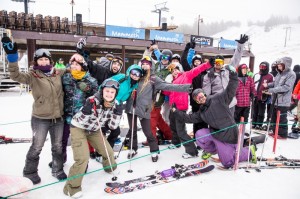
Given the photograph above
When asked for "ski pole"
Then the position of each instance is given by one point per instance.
(250, 134)
(276, 131)
(132, 127)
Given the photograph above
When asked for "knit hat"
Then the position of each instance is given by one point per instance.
(147, 60)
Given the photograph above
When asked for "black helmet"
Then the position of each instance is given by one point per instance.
(176, 56)
(109, 83)
(166, 52)
(196, 57)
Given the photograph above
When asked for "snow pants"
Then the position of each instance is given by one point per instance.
(225, 151)
(158, 122)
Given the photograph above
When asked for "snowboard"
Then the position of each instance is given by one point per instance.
(14, 186)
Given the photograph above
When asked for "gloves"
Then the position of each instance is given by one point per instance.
(83, 86)
(88, 106)
(193, 44)
(118, 109)
(81, 43)
(190, 90)
(231, 68)
(174, 108)
(153, 42)
(242, 39)
(10, 48)
(212, 61)
(188, 46)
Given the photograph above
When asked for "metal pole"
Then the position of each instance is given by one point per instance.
(159, 17)
(198, 24)
(105, 19)
(26, 6)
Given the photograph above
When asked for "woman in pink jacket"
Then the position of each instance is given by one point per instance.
(181, 101)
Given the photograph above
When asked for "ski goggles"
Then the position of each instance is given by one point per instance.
(41, 53)
(118, 59)
(263, 66)
(135, 72)
(165, 57)
(110, 83)
(219, 61)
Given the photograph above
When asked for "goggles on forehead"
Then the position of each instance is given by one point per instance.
(263, 66)
(136, 72)
(244, 66)
(219, 61)
(165, 57)
(118, 59)
(110, 83)
(42, 53)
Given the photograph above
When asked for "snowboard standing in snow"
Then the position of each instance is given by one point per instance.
(158, 181)
(5, 140)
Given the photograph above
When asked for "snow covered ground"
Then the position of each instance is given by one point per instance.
(15, 114)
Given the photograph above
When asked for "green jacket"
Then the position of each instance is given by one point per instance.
(47, 91)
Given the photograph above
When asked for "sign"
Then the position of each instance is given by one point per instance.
(125, 32)
(224, 43)
(202, 41)
(166, 36)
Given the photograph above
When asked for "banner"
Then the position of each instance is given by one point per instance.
(224, 43)
(202, 40)
(125, 32)
(166, 36)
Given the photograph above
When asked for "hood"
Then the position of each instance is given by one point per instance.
(134, 66)
(287, 61)
(296, 68)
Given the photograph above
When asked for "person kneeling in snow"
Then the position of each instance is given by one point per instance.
(85, 126)
(222, 136)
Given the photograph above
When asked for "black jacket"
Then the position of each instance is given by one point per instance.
(216, 113)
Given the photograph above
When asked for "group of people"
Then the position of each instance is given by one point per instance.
(87, 99)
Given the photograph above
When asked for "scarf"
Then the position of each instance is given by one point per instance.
(78, 74)
(45, 69)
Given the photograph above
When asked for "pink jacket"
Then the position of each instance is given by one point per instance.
(182, 99)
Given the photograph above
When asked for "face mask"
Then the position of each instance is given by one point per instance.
(78, 74)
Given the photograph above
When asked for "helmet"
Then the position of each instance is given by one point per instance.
(42, 52)
(110, 83)
(176, 56)
(166, 53)
(196, 57)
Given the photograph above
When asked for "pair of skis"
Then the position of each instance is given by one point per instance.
(6, 140)
(166, 176)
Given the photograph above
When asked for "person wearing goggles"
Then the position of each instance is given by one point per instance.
(281, 89)
(78, 85)
(100, 109)
(244, 92)
(181, 101)
(217, 78)
(260, 101)
(218, 139)
(47, 108)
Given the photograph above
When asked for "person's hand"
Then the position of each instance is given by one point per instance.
(87, 108)
(188, 46)
(118, 109)
(266, 92)
(174, 108)
(83, 86)
(153, 42)
(212, 61)
(81, 43)
(265, 84)
(244, 38)
(294, 96)
(231, 68)
(10, 48)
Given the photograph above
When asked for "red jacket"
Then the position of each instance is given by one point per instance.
(244, 91)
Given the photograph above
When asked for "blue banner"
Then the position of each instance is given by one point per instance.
(166, 36)
(125, 32)
(224, 43)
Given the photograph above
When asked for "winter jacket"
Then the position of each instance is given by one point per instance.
(217, 82)
(126, 86)
(75, 94)
(283, 84)
(245, 91)
(47, 91)
(216, 113)
(182, 99)
(259, 79)
(146, 93)
(296, 69)
(296, 90)
(98, 118)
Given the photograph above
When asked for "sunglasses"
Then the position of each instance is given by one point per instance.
(219, 61)
(42, 53)
(136, 73)
(110, 83)
(165, 57)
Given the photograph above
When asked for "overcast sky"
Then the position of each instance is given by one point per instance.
(132, 12)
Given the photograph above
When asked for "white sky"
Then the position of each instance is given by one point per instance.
(132, 12)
